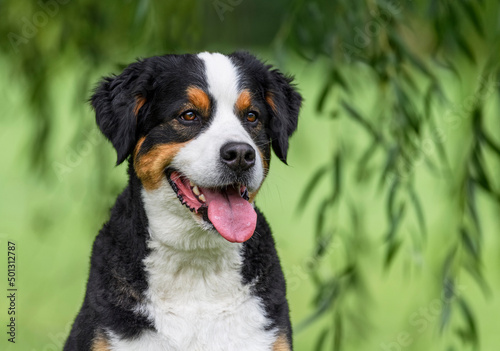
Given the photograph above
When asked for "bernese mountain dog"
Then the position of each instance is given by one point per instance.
(186, 260)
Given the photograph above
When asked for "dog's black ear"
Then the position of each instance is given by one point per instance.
(117, 101)
(284, 102)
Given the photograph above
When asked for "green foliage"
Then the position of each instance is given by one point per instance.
(380, 37)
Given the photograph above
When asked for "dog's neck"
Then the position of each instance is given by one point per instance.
(192, 264)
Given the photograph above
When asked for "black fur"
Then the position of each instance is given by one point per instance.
(114, 102)
(117, 280)
(285, 116)
(116, 273)
(261, 261)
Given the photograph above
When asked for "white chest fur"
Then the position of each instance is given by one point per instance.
(197, 302)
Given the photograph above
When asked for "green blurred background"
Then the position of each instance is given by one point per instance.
(387, 218)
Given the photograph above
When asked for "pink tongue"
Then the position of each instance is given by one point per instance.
(232, 216)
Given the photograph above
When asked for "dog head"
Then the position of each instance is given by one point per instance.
(199, 129)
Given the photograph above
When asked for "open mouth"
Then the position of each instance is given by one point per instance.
(226, 208)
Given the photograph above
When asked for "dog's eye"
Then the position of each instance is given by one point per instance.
(252, 117)
(188, 116)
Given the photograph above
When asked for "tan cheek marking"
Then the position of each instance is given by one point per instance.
(100, 344)
(244, 101)
(138, 146)
(150, 166)
(199, 99)
(265, 165)
(139, 102)
(281, 344)
(270, 101)
(251, 196)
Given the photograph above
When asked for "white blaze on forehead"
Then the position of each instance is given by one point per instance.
(222, 77)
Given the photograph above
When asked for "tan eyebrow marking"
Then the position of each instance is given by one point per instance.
(139, 102)
(270, 101)
(244, 101)
(198, 98)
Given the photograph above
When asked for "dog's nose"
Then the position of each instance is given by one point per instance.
(238, 156)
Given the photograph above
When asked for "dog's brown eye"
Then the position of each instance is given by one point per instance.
(188, 116)
(252, 117)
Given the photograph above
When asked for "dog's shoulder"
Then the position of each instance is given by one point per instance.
(262, 269)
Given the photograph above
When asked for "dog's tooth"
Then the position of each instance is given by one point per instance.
(196, 191)
(191, 184)
(202, 198)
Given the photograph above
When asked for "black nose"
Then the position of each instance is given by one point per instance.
(238, 156)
